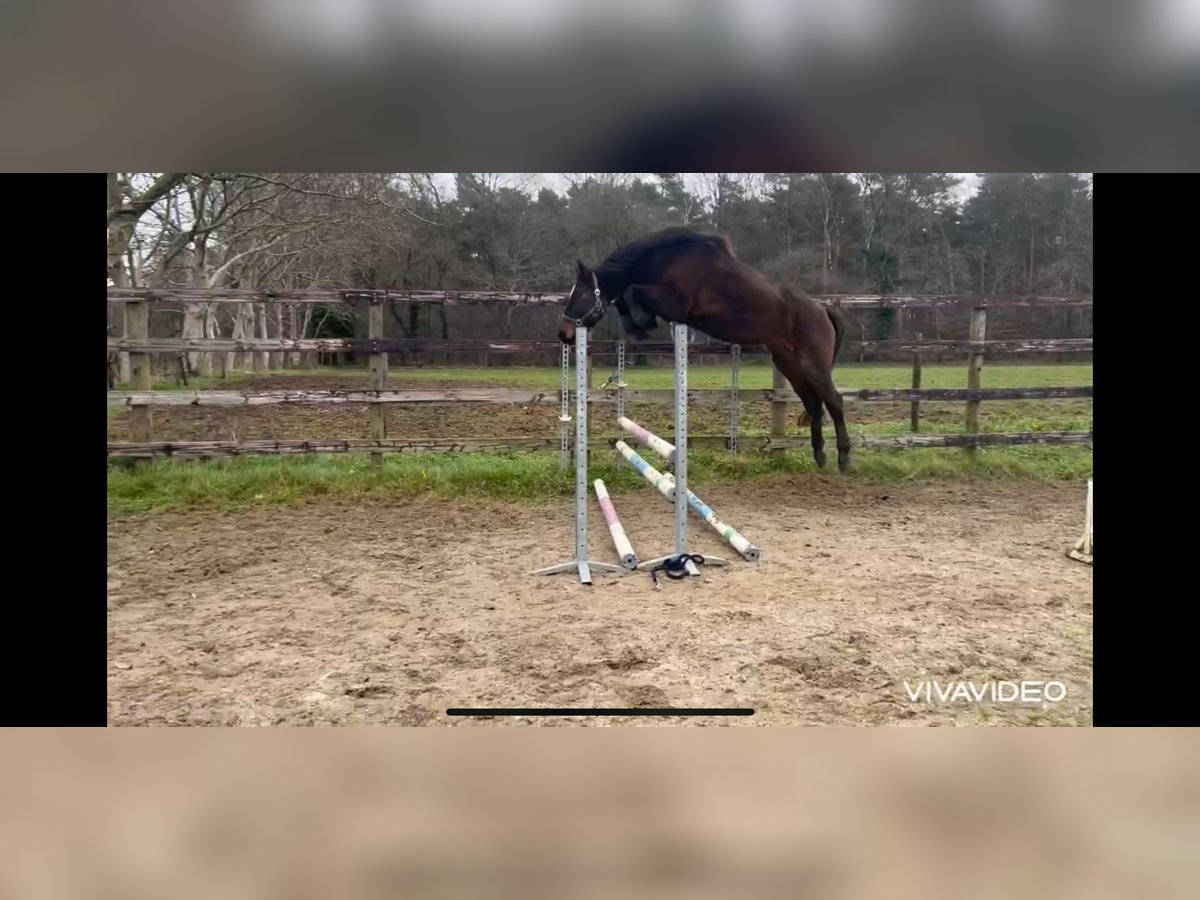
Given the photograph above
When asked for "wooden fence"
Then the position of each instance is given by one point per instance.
(358, 295)
(141, 399)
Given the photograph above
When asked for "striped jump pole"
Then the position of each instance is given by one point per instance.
(651, 440)
(739, 543)
(1082, 550)
(664, 483)
(624, 549)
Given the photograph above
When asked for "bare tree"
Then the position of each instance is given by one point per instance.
(126, 206)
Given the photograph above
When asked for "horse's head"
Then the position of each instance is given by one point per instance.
(586, 304)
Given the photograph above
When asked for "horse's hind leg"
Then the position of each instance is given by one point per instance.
(812, 409)
(805, 389)
(832, 398)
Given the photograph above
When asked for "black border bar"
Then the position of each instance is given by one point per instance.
(600, 711)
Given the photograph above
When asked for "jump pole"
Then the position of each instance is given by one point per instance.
(581, 563)
(651, 440)
(620, 539)
(1082, 550)
(666, 486)
(679, 459)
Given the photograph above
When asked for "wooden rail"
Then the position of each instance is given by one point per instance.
(141, 400)
(238, 399)
(357, 295)
(398, 345)
(208, 449)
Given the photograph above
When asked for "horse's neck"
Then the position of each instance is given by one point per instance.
(612, 284)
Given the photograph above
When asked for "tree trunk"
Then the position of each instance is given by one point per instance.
(1029, 276)
(825, 254)
(949, 260)
(262, 359)
(277, 356)
(232, 363)
(120, 234)
(293, 358)
(195, 318)
(309, 358)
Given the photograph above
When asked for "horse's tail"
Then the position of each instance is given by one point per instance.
(839, 329)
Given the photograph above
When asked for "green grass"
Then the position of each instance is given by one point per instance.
(252, 481)
(752, 376)
(524, 477)
(853, 376)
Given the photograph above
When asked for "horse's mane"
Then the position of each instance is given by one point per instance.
(792, 297)
(633, 255)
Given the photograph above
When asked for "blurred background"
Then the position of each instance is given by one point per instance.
(626, 813)
(699, 86)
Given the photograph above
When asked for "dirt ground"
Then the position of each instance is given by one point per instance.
(389, 612)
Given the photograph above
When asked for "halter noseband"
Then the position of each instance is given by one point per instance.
(597, 309)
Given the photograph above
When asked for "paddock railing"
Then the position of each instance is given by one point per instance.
(141, 400)
(360, 295)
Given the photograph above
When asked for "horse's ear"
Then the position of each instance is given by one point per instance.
(582, 269)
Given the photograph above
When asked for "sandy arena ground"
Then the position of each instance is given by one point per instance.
(389, 612)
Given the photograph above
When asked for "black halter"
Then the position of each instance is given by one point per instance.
(597, 309)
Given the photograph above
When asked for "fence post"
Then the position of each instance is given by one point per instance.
(124, 363)
(916, 383)
(379, 363)
(779, 408)
(975, 367)
(137, 322)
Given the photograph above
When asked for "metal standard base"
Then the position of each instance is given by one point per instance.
(584, 569)
(680, 460)
(580, 563)
(689, 566)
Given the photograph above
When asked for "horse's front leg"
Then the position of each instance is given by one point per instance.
(651, 302)
(630, 325)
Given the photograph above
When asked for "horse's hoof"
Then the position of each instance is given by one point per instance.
(820, 460)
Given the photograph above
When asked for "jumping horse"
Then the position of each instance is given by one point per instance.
(685, 276)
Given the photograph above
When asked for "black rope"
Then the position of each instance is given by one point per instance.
(675, 567)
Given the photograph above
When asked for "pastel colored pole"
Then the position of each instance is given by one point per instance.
(739, 543)
(664, 483)
(666, 487)
(653, 441)
(620, 540)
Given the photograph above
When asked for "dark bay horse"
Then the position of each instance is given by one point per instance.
(685, 276)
